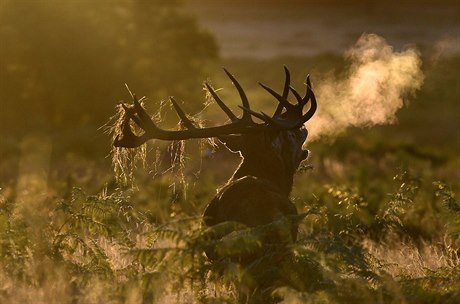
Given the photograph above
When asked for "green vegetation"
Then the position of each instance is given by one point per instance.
(93, 249)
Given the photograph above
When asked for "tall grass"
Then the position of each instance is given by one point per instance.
(101, 248)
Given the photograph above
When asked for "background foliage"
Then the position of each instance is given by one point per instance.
(64, 63)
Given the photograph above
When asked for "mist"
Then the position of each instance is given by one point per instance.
(370, 92)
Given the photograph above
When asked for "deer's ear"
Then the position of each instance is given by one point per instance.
(233, 142)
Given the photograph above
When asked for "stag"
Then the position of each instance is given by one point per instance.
(271, 150)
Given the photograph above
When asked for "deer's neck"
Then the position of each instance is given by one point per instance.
(277, 174)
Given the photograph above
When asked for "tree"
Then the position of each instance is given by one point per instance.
(63, 63)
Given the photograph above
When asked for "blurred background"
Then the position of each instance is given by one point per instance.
(63, 66)
(380, 181)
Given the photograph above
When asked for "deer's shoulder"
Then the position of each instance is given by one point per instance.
(249, 200)
(250, 185)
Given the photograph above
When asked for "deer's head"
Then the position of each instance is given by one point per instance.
(273, 146)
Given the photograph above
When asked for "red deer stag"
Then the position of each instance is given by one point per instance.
(258, 192)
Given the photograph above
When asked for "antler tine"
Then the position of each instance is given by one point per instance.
(140, 117)
(185, 120)
(269, 120)
(282, 100)
(130, 113)
(244, 99)
(307, 89)
(275, 122)
(146, 122)
(287, 81)
(128, 138)
(261, 115)
(297, 96)
(312, 98)
(221, 104)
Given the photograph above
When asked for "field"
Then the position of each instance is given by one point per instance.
(378, 199)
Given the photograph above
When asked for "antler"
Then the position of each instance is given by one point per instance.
(291, 118)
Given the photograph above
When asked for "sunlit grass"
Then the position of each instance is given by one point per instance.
(101, 248)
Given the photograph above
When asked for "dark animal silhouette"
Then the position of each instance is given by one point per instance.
(258, 192)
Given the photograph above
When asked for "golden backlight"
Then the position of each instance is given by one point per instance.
(368, 214)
